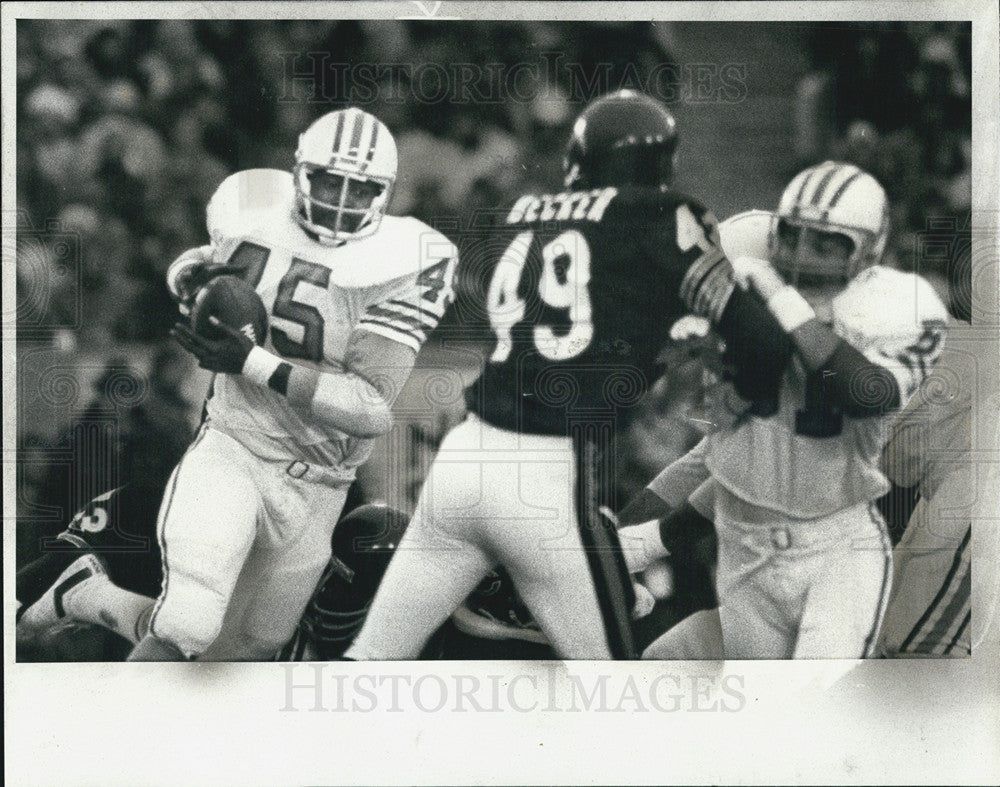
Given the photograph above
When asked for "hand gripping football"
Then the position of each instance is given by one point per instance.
(233, 302)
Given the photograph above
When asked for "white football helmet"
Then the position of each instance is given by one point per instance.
(358, 147)
(834, 197)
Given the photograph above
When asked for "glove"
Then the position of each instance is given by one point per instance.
(690, 327)
(227, 354)
(759, 274)
(191, 271)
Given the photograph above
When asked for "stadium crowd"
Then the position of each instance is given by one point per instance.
(126, 128)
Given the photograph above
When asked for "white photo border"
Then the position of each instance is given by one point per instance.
(771, 722)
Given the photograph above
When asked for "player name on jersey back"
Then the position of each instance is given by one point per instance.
(565, 206)
(578, 291)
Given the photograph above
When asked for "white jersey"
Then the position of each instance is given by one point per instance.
(929, 611)
(396, 282)
(808, 459)
(933, 436)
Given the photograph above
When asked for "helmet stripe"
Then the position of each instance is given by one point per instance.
(815, 175)
(359, 126)
(806, 176)
(371, 145)
(823, 183)
(338, 133)
(843, 188)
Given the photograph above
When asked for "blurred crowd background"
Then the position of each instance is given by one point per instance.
(124, 130)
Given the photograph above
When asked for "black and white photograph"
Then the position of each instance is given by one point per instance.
(529, 392)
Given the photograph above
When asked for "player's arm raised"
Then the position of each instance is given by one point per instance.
(755, 343)
(762, 314)
(874, 373)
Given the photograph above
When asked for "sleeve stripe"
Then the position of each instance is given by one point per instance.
(377, 312)
(400, 324)
(398, 316)
(392, 333)
(404, 311)
(433, 314)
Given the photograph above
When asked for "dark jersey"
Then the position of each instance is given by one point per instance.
(577, 292)
(120, 527)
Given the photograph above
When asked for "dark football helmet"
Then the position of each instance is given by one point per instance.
(623, 138)
(363, 544)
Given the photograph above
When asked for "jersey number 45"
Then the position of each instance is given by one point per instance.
(250, 259)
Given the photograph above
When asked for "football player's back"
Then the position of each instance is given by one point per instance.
(577, 290)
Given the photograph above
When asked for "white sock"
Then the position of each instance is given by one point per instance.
(100, 601)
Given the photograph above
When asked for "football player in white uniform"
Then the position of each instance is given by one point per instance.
(105, 570)
(804, 564)
(929, 457)
(351, 295)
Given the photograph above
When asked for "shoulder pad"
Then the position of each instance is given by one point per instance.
(248, 198)
(882, 304)
(402, 246)
(746, 234)
(661, 214)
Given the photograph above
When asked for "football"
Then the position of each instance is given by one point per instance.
(233, 302)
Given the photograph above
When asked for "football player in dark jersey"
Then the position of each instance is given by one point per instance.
(105, 570)
(572, 295)
(363, 543)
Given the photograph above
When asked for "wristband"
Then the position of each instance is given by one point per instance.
(260, 366)
(344, 400)
(790, 309)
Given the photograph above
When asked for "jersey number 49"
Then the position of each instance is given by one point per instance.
(567, 254)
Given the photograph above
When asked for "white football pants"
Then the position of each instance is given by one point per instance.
(495, 497)
(807, 589)
(244, 542)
